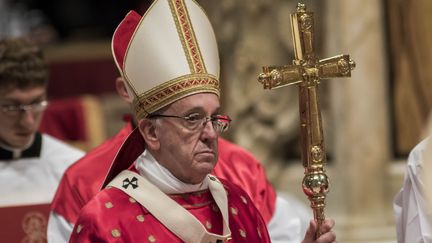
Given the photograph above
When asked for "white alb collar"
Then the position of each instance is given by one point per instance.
(148, 167)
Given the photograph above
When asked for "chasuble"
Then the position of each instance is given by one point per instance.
(114, 216)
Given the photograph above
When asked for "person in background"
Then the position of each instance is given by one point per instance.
(413, 210)
(31, 164)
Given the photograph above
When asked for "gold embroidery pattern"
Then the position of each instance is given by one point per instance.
(131, 200)
(187, 36)
(242, 233)
(234, 211)
(170, 91)
(140, 218)
(115, 233)
(79, 228)
(244, 200)
(151, 238)
(208, 225)
(109, 205)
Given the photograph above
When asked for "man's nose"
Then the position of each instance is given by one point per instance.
(27, 117)
(209, 130)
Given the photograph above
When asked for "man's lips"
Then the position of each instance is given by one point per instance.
(205, 155)
(23, 134)
(206, 152)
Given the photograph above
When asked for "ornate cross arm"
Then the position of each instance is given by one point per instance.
(307, 71)
(280, 76)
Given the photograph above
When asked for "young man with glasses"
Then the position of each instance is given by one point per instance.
(159, 187)
(31, 164)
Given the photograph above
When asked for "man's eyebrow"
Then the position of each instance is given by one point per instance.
(199, 109)
(16, 101)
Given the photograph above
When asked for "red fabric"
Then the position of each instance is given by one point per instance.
(131, 148)
(123, 35)
(64, 119)
(97, 222)
(83, 180)
(237, 165)
(26, 223)
(85, 76)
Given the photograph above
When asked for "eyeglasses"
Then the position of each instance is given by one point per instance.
(193, 121)
(17, 109)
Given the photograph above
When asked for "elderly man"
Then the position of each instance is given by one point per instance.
(31, 164)
(286, 218)
(169, 60)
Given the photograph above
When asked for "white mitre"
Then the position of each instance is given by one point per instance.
(168, 53)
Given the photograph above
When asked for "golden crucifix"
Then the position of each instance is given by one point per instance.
(307, 71)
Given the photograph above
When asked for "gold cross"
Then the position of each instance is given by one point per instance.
(307, 71)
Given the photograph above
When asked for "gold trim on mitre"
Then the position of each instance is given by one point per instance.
(173, 90)
(187, 36)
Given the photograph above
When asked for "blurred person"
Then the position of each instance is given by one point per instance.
(31, 164)
(412, 205)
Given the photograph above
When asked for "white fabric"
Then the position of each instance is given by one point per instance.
(59, 229)
(290, 220)
(205, 38)
(148, 167)
(154, 57)
(34, 180)
(413, 219)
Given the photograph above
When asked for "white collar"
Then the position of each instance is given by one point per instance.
(149, 168)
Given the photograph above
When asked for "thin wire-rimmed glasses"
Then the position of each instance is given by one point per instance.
(14, 110)
(196, 121)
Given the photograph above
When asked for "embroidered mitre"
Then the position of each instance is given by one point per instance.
(167, 54)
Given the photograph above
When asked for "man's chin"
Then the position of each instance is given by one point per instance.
(21, 142)
(205, 158)
(206, 167)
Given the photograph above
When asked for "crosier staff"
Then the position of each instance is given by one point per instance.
(307, 71)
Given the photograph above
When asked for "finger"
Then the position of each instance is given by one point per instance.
(330, 222)
(327, 237)
(327, 225)
(310, 232)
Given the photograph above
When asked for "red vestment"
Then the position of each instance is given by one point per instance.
(113, 216)
(84, 178)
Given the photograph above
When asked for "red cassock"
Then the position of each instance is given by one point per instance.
(114, 216)
(84, 178)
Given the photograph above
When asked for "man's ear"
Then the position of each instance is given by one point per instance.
(148, 131)
(122, 90)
